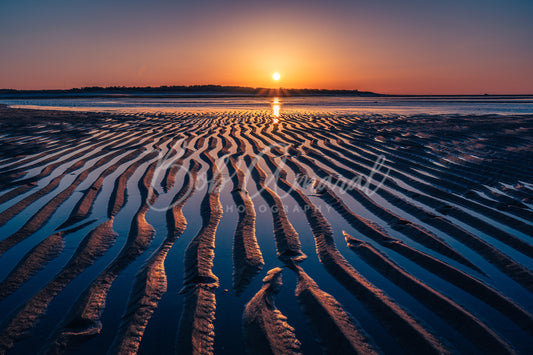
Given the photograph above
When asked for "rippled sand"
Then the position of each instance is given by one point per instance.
(154, 232)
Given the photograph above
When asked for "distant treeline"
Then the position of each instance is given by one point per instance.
(191, 89)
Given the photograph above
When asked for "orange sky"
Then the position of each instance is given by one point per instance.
(411, 47)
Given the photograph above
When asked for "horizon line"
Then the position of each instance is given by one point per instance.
(236, 87)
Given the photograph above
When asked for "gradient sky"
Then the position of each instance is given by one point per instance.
(402, 47)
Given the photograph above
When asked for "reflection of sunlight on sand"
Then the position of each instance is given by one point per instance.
(275, 110)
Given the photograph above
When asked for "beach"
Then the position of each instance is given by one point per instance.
(222, 228)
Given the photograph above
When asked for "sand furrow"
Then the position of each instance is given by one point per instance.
(432, 192)
(175, 219)
(287, 241)
(257, 147)
(337, 331)
(13, 193)
(266, 330)
(6, 215)
(445, 271)
(118, 196)
(195, 334)
(9, 213)
(170, 174)
(226, 143)
(200, 251)
(35, 260)
(14, 174)
(461, 183)
(100, 147)
(507, 265)
(84, 205)
(184, 152)
(23, 319)
(241, 146)
(42, 216)
(406, 330)
(151, 281)
(247, 257)
(466, 323)
(407, 228)
(514, 242)
(83, 319)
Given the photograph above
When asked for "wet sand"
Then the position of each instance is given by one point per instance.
(160, 231)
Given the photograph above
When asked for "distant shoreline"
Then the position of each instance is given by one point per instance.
(211, 91)
(180, 91)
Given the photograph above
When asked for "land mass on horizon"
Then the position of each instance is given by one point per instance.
(182, 90)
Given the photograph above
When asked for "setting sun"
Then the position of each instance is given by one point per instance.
(276, 76)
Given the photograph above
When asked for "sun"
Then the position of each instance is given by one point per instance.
(276, 76)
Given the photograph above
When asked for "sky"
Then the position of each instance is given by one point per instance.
(385, 46)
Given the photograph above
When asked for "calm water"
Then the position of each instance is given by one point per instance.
(383, 105)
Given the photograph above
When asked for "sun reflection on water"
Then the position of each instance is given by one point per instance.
(275, 110)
